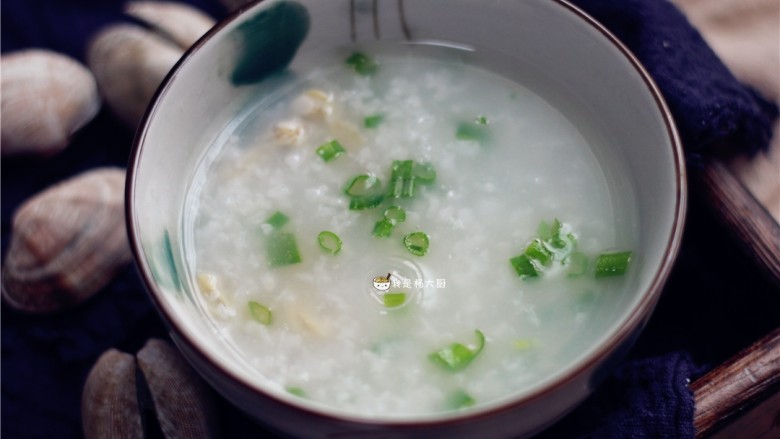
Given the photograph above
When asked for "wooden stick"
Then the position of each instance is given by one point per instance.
(744, 392)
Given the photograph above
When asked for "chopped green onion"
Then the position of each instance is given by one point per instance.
(395, 214)
(394, 300)
(365, 192)
(456, 356)
(524, 267)
(362, 64)
(417, 243)
(383, 228)
(481, 120)
(297, 391)
(281, 249)
(522, 344)
(402, 179)
(424, 173)
(538, 252)
(373, 121)
(612, 264)
(364, 184)
(470, 131)
(460, 400)
(277, 220)
(577, 262)
(365, 202)
(330, 150)
(329, 242)
(260, 313)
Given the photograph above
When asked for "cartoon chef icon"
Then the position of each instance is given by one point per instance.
(382, 283)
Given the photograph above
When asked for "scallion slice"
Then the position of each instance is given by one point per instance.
(524, 267)
(260, 313)
(481, 120)
(612, 264)
(282, 249)
(330, 150)
(365, 191)
(329, 241)
(297, 391)
(460, 400)
(577, 263)
(383, 228)
(394, 300)
(373, 121)
(277, 220)
(456, 356)
(417, 243)
(470, 131)
(424, 173)
(395, 214)
(538, 252)
(402, 179)
(362, 64)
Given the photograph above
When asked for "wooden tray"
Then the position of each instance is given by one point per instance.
(741, 397)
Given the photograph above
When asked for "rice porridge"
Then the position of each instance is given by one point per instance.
(400, 234)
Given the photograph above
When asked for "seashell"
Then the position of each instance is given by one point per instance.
(289, 132)
(178, 22)
(67, 242)
(45, 97)
(129, 64)
(109, 402)
(182, 402)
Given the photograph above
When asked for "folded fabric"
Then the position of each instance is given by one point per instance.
(713, 111)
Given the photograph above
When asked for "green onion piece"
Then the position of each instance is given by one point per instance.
(373, 121)
(362, 64)
(424, 173)
(365, 192)
(470, 131)
(281, 249)
(523, 344)
(456, 356)
(277, 220)
(544, 231)
(394, 300)
(365, 202)
(260, 313)
(331, 150)
(460, 400)
(612, 264)
(524, 267)
(402, 179)
(363, 184)
(383, 228)
(538, 252)
(481, 120)
(395, 214)
(417, 243)
(297, 391)
(577, 262)
(329, 241)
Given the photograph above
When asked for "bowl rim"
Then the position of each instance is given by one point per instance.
(635, 320)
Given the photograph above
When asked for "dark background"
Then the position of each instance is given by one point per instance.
(714, 304)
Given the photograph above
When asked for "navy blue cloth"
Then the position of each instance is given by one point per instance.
(711, 307)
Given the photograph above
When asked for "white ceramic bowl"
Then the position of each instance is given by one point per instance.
(583, 69)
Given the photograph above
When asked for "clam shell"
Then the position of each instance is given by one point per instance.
(129, 63)
(45, 98)
(178, 22)
(67, 242)
(182, 401)
(109, 402)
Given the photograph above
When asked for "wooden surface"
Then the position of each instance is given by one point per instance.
(748, 219)
(741, 398)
